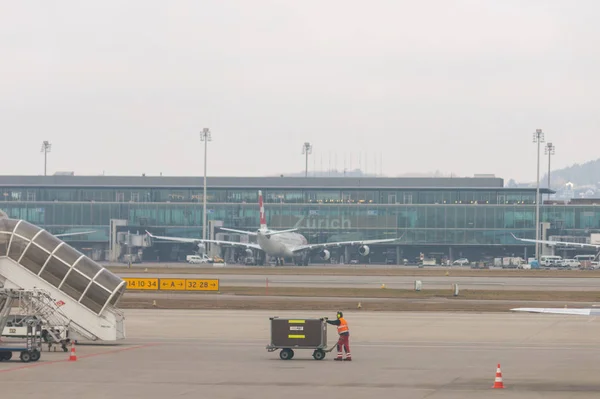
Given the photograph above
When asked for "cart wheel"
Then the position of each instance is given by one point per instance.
(319, 354)
(286, 354)
(35, 356)
(25, 357)
(5, 356)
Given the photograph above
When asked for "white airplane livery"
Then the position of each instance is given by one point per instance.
(74, 234)
(565, 311)
(281, 244)
(558, 243)
(5, 215)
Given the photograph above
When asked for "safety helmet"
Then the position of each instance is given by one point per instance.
(340, 314)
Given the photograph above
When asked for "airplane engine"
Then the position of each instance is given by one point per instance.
(364, 250)
(324, 254)
(248, 252)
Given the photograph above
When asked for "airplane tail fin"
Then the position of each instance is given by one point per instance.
(263, 219)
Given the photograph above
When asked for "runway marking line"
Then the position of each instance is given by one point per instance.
(32, 365)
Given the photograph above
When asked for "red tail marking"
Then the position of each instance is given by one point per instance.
(263, 219)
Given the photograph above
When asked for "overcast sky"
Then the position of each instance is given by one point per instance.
(125, 87)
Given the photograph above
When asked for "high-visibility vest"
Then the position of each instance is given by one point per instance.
(343, 327)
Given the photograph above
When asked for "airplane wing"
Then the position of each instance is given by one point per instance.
(274, 232)
(74, 234)
(554, 243)
(342, 243)
(251, 233)
(576, 312)
(199, 240)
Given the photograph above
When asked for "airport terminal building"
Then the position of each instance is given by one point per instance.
(445, 217)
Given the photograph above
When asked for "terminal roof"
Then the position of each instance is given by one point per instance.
(253, 182)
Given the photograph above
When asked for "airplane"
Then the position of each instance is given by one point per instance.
(555, 243)
(280, 244)
(73, 234)
(565, 311)
(5, 215)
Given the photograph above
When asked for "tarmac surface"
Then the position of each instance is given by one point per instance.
(398, 282)
(221, 354)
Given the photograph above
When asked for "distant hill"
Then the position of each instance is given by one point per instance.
(581, 175)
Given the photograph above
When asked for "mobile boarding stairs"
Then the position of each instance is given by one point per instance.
(74, 297)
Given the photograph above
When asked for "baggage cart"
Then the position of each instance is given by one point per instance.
(291, 334)
(30, 351)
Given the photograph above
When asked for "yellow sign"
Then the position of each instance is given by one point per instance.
(202, 285)
(142, 283)
(172, 284)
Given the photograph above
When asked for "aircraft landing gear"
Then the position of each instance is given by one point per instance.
(301, 261)
(278, 260)
(260, 260)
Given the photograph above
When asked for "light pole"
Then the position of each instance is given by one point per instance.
(206, 137)
(538, 137)
(46, 147)
(306, 149)
(549, 149)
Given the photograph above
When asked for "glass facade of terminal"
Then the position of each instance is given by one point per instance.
(450, 223)
(288, 196)
(475, 217)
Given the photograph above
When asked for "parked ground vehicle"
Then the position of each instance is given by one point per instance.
(587, 261)
(573, 263)
(509, 262)
(550, 260)
(198, 259)
(461, 262)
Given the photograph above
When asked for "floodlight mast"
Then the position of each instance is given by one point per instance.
(549, 150)
(306, 149)
(538, 137)
(205, 136)
(46, 147)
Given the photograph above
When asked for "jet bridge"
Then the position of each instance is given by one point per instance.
(86, 293)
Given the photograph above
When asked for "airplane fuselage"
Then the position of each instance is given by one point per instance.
(280, 245)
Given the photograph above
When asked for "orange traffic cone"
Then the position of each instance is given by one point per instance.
(73, 356)
(498, 384)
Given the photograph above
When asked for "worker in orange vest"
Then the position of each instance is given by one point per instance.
(344, 333)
